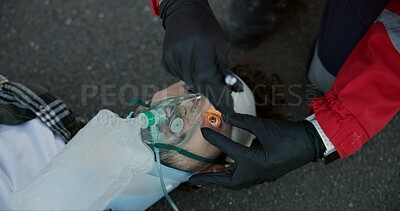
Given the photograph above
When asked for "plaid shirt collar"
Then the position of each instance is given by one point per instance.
(19, 103)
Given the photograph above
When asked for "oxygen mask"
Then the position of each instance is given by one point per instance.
(172, 121)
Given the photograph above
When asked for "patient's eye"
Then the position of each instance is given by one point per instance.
(188, 89)
(213, 120)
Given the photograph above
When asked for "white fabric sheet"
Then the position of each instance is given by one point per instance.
(24, 150)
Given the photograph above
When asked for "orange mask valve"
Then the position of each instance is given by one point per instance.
(213, 118)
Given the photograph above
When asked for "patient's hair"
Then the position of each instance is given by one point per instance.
(181, 162)
(268, 105)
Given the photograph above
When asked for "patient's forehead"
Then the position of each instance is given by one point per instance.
(177, 89)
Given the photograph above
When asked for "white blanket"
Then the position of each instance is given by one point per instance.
(24, 150)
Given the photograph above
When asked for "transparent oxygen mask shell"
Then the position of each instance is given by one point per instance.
(173, 121)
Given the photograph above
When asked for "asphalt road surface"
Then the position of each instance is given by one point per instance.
(97, 54)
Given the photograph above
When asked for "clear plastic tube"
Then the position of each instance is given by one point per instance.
(154, 133)
(130, 115)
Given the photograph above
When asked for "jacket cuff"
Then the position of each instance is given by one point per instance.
(339, 124)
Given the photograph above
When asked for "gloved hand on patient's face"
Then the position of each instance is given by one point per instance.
(284, 146)
(196, 50)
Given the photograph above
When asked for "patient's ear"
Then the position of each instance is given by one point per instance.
(217, 168)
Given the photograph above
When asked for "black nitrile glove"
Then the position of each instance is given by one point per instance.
(284, 146)
(196, 49)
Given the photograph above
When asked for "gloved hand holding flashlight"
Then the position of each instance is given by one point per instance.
(196, 50)
(284, 146)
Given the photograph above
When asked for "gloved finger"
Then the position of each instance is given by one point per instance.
(226, 145)
(243, 121)
(238, 86)
(222, 179)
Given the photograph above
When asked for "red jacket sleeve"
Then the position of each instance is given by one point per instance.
(366, 92)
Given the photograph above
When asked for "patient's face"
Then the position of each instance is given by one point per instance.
(197, 144)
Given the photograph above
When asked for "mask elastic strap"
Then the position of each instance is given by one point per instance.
(189, 154)
(138, 101)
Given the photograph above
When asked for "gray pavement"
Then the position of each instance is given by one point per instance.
(97, 54)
